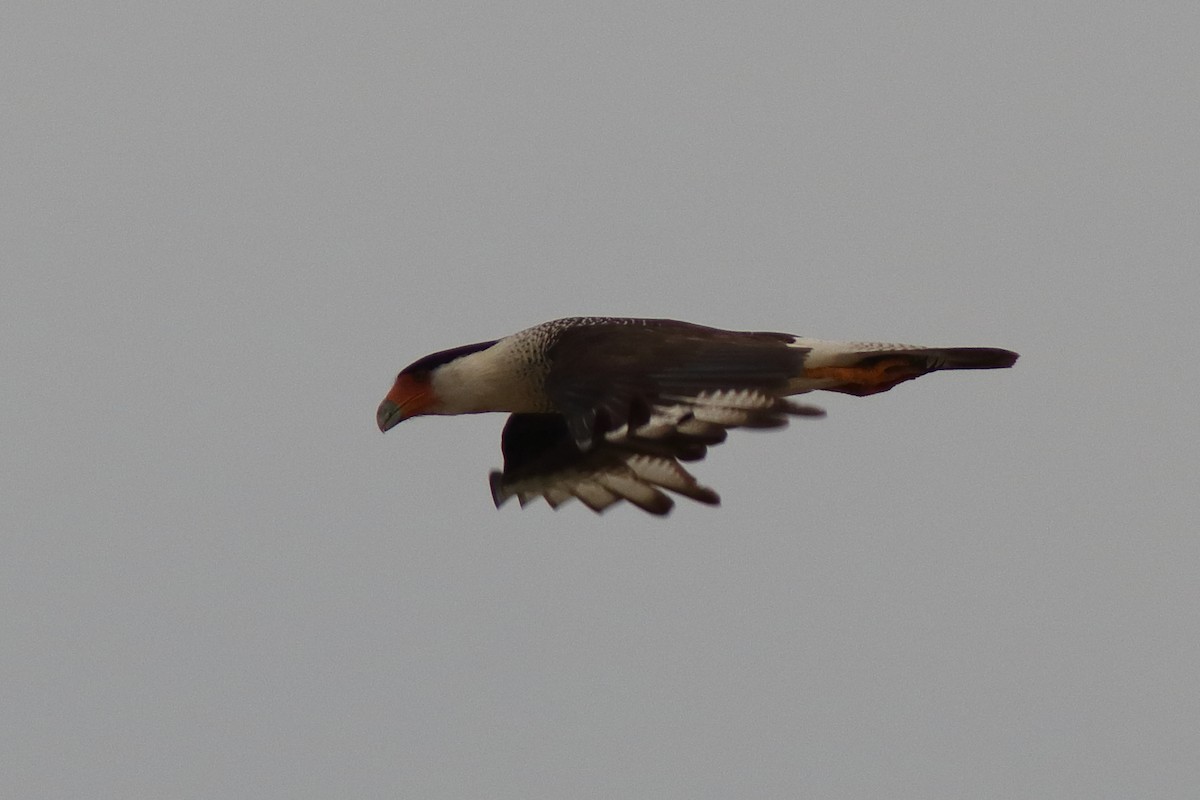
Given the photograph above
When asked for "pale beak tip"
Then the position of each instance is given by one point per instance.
(388, 416)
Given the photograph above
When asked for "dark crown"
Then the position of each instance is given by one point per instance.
(435, 360)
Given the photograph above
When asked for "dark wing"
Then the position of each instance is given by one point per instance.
(542, 459)
(609, 375)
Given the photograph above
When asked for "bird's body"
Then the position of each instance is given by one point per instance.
(604, 409)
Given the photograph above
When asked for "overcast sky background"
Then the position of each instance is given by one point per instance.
(226, 226)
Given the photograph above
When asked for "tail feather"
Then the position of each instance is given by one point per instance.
(968, 358)
(877, 370)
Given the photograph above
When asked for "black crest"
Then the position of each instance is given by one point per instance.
(435, 360)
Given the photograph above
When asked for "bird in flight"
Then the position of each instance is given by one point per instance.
(604, 409)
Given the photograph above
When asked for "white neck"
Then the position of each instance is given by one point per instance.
(495, 379)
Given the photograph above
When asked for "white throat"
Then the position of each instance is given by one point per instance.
(495, 379)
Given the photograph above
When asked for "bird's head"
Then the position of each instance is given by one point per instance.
(415, 390)
(412, 394)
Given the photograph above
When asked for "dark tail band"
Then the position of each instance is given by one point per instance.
(970, 358)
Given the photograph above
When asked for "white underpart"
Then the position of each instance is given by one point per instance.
(496, 379)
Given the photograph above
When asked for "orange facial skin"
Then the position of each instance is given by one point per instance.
(410, 396)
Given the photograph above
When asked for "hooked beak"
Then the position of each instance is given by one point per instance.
(407, 398)
(388, 416)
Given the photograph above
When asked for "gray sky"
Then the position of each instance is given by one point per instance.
(226, 226)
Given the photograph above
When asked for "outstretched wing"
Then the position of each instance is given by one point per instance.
(613, 373)
(634, 462)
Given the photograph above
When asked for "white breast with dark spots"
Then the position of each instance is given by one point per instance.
(508, 376)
